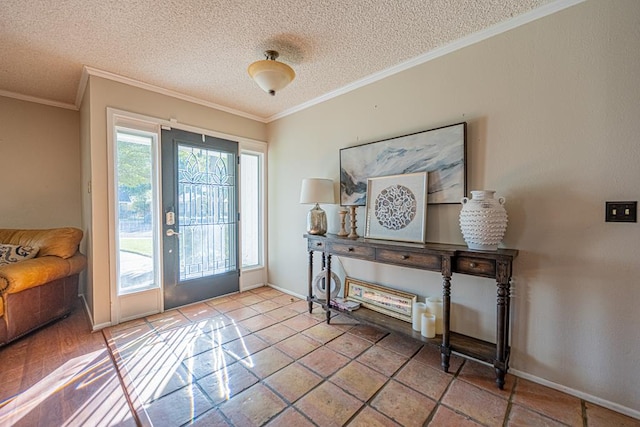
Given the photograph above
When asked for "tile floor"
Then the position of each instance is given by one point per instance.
(259, 358)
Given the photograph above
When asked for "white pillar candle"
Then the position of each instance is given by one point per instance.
(428, 325)
(416, 315)
(434, 306)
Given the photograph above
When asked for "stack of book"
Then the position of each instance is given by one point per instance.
(343, 304)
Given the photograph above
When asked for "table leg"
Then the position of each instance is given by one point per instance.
(445, 349)
(327, 284)
(501, 345)
(310, 297)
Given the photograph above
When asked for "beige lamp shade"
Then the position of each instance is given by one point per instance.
(271, 75)
(317, 190)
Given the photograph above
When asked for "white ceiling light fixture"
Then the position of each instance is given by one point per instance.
(271, 75)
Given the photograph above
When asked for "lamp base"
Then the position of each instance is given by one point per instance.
(317, 221)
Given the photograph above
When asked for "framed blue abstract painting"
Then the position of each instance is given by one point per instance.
(440, 152)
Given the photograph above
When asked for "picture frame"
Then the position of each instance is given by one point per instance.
(441, 152)
(397, 207)
(388, 301)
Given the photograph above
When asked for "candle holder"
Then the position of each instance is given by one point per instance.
(343, 230)
(352, 216)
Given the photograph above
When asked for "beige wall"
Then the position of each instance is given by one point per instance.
(105, 93)
(553, 111)
(40, 157)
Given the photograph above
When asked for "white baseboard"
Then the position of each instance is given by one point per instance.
(287, 291)
(577, 393)
(94, 327)
(248, 288)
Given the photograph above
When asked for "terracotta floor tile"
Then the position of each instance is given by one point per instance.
(430, 355)
(359, 381)
(281, 313)
(265, 306)
(481, 405)
(260, 289)
(245, 346)
(253, 407)
(400, 344)
(343, 322)
(187, 343)
(429, 381)
(230, 333)
(324, 361)
(250, 299)
(446, 417)
(382, 360)
(290, 418)
(258, 322)
(211, 418)
(217, 301)
(301, 322)
(229, 305)
(519, 416)
(241, 313)
(349, 345)
(266, 362)
(322, 332)
(220, 321)
(271, 293)
(403, 405)
(597, 416)
(327, 405)
(552, 403)
(299, 306)
(275, 333)
(369, 333)
(175, 320)
(227, 382)
(207, 362)
(179, 407)
(369, 417)
(293, 381)
(484, 376)
(196, 312)
(297, 346)
(285, 299)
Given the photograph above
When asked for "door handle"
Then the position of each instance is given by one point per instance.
(171, 232)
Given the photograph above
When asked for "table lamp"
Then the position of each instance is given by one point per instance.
(316, 191)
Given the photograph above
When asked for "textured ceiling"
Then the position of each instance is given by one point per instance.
(202, 48)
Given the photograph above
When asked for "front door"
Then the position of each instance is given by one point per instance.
(200, 207)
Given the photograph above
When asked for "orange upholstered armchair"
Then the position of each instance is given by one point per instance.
(39, 272)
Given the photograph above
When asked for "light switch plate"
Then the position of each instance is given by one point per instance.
(621, 212)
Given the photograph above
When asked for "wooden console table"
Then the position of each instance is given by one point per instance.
(447, 259)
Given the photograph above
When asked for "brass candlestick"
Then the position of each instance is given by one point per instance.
(352, 215)
(343, 230)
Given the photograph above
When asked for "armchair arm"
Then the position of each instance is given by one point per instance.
(32, 272)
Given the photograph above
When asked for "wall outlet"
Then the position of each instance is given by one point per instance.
(621, 211)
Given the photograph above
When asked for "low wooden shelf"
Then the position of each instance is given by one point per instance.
(447, 259)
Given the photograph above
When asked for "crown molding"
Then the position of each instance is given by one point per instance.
(90, 71)
(37, 100)
(469, 40)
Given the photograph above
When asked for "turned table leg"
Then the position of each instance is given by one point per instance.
(445, 349)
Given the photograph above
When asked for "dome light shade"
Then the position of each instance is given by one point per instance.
(271, 75)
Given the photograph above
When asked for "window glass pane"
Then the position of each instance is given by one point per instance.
(135, 214)
(206, 212)
(250, 210)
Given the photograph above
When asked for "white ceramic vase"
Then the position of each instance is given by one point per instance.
(483, 220)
